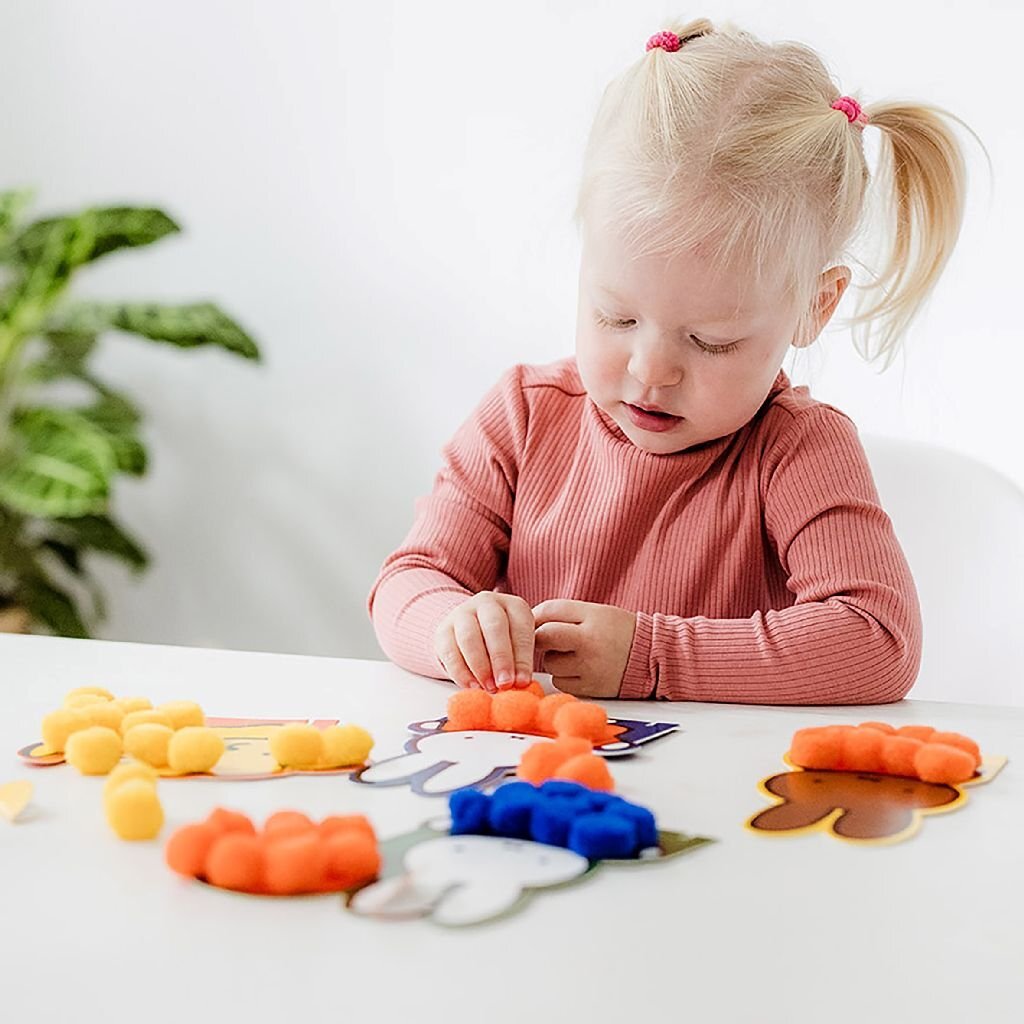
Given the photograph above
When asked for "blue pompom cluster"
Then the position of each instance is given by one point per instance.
(598, 826)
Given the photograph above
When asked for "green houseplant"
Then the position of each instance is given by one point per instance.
(60, 458)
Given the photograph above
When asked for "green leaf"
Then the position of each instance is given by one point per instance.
(51, 606)
(117, 417)
(186, 326)
(66, 357)
(98, 533)
(12, 203)
(110, 228)
(67, 554)
(57, 464)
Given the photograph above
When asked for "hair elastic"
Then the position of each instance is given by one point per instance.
(851, 108)
(667, 41)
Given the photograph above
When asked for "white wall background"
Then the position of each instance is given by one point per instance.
(382, 193)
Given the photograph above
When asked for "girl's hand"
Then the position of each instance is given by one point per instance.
(487, 642)
(584, 646)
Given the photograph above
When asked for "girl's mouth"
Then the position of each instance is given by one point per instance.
(657, 422)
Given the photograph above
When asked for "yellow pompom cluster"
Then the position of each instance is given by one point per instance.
(307, 747)
(130, 801)
(94, 728)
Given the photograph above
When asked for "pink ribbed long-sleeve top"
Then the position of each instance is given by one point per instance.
(761, 566)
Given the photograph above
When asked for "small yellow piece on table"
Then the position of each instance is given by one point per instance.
(14, 798)
(59, 725)
(94, 751)
(182, 713)
(296, 745)
(133, 809)
(194, 749)
(127, 772)
(149, 742)
(133, 718)
(87, 691)
(344, 745)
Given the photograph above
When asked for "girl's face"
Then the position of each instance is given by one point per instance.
(674, 353)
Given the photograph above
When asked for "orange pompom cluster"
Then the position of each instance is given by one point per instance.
(292, 855)
(530, 711)
(569, 757)
(917, 751)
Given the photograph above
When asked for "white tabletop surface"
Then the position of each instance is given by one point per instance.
(749, 929)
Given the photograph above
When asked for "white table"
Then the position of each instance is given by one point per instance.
(750, 929)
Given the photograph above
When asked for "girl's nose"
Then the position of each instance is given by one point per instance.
(655, 364)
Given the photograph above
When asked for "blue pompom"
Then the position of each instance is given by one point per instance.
(563, 788)
(603, 836)
(511, 810)
(552, 820)
(643, 820)
(468, 809)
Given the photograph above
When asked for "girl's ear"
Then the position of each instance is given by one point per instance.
(831, 286)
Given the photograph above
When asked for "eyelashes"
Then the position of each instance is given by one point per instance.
(624, 324)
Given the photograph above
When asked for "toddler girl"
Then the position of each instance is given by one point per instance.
(664, 515)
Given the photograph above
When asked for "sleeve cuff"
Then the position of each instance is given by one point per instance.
(638, 681)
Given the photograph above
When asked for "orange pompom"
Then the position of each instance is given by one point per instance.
(223, 820)
(548, 708)
(588, 770)
(338, 823)
(352, 858)
(939, 762)
(898, 753)
(535, 688)
(541, 760)
(514, 711)
(581, 719)
(187, 848)
(294, 863)
(862, 750)
(469, 709)
(955, 739)
(889, 730)
(288, 823)
(235, 861)
(817, 747)
(917, 732)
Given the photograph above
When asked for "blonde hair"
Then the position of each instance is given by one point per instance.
(730, 147)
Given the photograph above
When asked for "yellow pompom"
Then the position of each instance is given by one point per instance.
(90, 691)
(83, 700)
(59, 725)
(148, 715)
(125, 773)
(194, 749)
(344, 745)
(148, 742)
(296, 746)
(134, 811)
(93, 751)
(105, 713)
(182, 713)
(129, 704)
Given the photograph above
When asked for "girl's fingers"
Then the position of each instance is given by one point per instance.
(471, 644)
(556, 636)
(494, 625)
(559, 610)
(454, 664)
(451, 658)
(521, 627)
(561, 664)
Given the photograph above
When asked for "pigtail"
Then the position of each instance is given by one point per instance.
(922, 175)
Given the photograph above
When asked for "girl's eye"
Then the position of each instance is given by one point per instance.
(616, 322)
(713, 350)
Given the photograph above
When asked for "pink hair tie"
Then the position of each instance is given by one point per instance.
(851, 108)
(667, 41)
